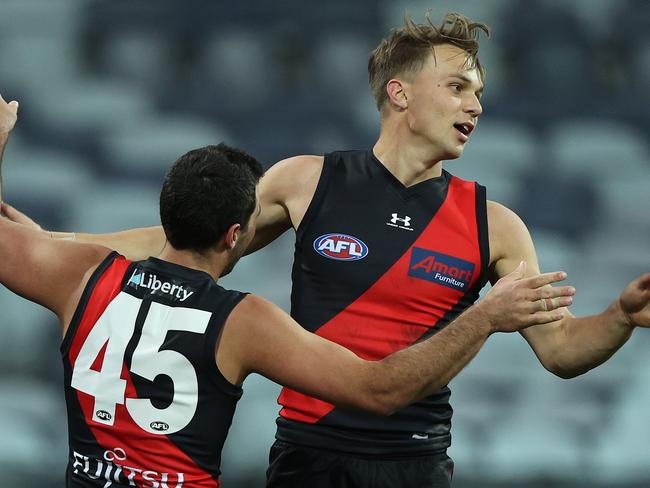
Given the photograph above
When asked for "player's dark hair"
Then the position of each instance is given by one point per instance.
(405, 49)
(205, 192)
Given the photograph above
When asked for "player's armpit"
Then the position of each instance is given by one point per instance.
(285, 192)
(49, 272)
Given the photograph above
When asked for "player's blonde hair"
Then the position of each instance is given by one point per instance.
(405, 49)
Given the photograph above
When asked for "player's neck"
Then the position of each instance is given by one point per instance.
(208, 262)
(411, 160)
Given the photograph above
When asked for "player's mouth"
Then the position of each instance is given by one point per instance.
(464, 130)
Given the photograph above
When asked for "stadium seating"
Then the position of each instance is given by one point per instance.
(113, 92)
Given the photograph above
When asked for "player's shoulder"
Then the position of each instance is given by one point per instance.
(254, 306)
(499, 214)
(83, 256)
(503, 221)
(248, 313)
(300, 164)
(288, 176)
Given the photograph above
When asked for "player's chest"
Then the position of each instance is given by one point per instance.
(409, 245)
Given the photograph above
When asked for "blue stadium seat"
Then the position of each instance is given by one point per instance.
(112, 207)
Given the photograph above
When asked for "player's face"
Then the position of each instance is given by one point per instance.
(443, 101)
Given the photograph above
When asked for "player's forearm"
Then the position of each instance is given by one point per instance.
(422, 369)
(135, 244)
(583, 343)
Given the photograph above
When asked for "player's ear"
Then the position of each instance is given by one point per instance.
(232, 235)
(396, 90)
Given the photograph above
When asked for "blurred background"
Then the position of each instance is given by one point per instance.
(111, 92)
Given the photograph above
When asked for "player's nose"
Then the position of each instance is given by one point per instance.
(473, 106)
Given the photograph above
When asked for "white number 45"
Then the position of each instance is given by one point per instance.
(115, 328)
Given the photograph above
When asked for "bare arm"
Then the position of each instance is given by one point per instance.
(284, 192)
(49, 272)
(134, 244)
(259, 337)
(570, 346)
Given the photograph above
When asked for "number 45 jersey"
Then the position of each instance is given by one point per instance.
(146, 404)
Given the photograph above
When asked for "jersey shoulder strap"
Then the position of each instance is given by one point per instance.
(105, 283)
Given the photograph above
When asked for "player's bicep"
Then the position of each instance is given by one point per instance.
(272, 344)
(44, 270)
(510, 243)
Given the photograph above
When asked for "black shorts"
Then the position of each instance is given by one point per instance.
(293, 466)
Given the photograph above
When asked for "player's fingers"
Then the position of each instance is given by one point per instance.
(544, 279)
(14, 105)
(552, 292)
(550, 304)
(546, 317)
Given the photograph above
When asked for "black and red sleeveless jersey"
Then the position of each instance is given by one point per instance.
(146, 403)
(377, 267)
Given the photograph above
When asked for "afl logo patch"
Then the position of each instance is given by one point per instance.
(159, 426)
(341, 247)
(104, 415)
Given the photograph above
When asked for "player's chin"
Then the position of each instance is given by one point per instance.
(454, 152)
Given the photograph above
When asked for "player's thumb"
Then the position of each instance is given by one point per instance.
(14, 104)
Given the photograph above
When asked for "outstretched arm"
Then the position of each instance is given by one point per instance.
(570, 346)
(49, 272)
(135, 244)
(259, 337)
(285, 192)
(8, 116)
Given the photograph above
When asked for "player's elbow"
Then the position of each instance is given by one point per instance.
(386, 398)
(380, 403)
(560, 370)
(563, 373)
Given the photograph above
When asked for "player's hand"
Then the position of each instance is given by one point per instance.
(515, 303)
(8, 115)
(635, 301)
(17, 216)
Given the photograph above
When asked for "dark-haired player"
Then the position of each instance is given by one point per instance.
(390, 248)
(155, 351)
